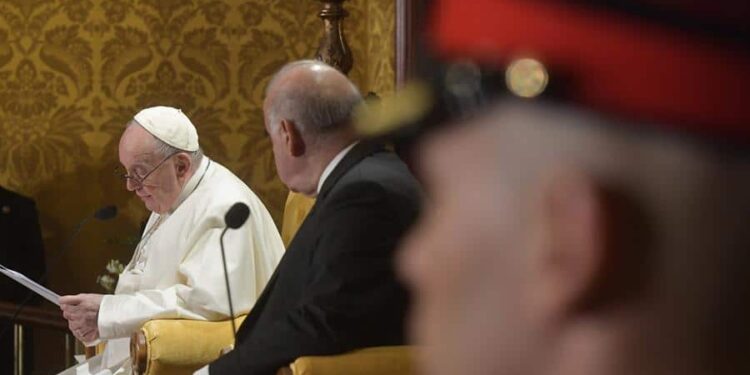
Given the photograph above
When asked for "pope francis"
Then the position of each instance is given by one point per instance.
(176, 269)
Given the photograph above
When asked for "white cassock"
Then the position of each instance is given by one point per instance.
(176, 270)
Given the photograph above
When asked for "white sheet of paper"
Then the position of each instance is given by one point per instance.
(31, 285)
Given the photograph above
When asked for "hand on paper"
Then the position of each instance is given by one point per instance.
(82, 311)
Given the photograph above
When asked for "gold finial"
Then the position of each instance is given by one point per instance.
(334, 49)
(526, 77)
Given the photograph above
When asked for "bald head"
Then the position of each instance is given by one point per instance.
(308, 110)
(316, 97)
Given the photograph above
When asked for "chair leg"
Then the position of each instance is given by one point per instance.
(18, 349)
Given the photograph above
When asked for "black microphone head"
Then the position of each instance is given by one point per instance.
(237, 215)
(106, 213)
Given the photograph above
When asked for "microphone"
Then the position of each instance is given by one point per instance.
(106, 213)
(233, 219)
(102, 214)
(237, 215)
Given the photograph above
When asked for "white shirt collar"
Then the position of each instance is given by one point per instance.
(332, 165)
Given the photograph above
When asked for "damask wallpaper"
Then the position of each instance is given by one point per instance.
(73, 72)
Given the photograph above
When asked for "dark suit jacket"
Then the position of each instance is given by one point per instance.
(20, 249)
(335, 289)
(21, 246)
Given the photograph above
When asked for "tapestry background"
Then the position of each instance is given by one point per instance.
(73, 72)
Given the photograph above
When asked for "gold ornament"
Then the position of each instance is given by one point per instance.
(526, 77)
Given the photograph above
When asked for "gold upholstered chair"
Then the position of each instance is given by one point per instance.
(295, 211)
(384, 360)
(179, 346)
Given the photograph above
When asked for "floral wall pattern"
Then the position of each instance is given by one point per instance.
(73, 72)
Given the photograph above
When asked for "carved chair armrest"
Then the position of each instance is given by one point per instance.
(178, 346)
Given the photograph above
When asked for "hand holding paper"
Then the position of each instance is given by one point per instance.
(82, 312)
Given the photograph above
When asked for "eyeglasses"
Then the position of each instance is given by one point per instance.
(136, 180)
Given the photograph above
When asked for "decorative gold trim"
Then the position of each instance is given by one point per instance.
(334, 49)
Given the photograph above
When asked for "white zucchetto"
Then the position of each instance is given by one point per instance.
(169, 125)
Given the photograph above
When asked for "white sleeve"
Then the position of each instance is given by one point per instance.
(202, 295)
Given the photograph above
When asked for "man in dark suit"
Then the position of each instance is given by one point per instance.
(335, 289)
(23, 251)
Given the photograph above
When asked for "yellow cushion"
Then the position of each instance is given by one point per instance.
(295, 211)
(390, 360)
(177, 346)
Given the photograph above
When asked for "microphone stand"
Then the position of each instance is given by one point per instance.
(226, 281)
(235, 217)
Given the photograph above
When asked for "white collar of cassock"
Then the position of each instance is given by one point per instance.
(192, 184)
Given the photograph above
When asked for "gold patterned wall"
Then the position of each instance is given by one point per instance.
(72, 72)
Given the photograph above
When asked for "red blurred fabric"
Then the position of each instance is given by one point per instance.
(614, 62)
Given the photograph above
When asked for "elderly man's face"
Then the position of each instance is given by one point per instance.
(467, 260)
(160, 190)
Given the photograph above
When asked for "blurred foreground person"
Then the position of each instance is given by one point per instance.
(602, 229)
